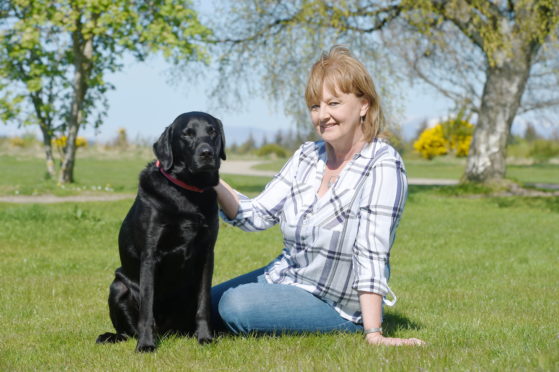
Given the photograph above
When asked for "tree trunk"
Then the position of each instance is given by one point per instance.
(49, 157)
(500, 100)
(83, 52)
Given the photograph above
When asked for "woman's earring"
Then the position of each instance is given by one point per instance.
(362, 119)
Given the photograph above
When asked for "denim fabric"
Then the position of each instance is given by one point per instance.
(248, 304)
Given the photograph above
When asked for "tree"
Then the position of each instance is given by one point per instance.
(530, 133)
(501, 52)
(54, 55)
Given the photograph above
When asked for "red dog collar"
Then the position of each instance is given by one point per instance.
(175, 181)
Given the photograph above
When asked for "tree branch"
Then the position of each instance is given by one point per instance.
(462, 21)
(540, 105)
(456, 97)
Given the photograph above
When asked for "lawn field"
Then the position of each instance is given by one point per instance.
(118, 173)
(476, 278)
(450, 168)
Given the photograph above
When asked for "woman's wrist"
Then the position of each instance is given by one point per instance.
(374, 337)
(366, 331)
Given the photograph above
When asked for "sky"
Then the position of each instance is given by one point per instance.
(144, 102)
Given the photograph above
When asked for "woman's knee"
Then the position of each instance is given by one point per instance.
(236, 307)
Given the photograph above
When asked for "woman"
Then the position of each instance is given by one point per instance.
(338, 202)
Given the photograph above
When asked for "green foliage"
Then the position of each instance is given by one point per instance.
(395, 139)
(272, 149)
(543, 150)
(495, 28)
(248, 146)
(538, 149)
(482, 42)
(54, 55)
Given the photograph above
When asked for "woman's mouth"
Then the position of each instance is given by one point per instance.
(326, 126)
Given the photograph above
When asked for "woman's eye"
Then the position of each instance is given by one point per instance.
(334, 103)
(315, 107)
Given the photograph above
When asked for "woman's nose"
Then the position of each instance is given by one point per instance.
(323, 113)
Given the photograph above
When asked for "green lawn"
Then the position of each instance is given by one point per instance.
(26, 176)
(476, 278)
(450, 168)
(118, 173)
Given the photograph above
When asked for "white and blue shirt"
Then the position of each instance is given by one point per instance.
(340, 243)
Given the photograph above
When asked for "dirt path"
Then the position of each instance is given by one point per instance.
(240, 167)
(48, 199)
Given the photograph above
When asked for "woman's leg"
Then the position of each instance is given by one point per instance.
(217, 292)
(277, 308)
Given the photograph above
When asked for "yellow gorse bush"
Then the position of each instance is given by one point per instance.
(431, 142)
(61, 142)
(451, 136)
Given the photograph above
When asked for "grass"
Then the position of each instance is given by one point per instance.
(451, 168)
(26, 176)
(100, 170)
(476, 278)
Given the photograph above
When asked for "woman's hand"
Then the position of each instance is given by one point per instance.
(227, 199)
(378, 339)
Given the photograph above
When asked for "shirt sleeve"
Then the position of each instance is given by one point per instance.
(381, 207)
(264, 211)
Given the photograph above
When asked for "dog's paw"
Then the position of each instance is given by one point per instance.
(110, 338)
(145, 348)
(204, 338)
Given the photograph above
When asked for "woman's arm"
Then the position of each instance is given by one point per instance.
(380, 210)
(260, 212)
(227, 199)
(371, 310)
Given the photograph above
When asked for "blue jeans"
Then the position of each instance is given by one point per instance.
(249, 304)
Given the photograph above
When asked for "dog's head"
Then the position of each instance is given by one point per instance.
(193, 144)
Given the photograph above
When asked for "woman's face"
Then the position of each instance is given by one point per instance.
(336, 117)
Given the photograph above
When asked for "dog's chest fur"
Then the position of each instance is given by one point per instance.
(186, 217)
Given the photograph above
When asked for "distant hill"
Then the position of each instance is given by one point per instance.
(239, 135)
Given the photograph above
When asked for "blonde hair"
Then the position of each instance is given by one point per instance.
(339, 70)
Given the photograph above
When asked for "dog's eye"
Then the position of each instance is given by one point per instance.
(211, 131)
(189, 132)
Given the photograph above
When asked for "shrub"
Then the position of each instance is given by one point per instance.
(27, 140)
(542, 150)
(17, 142)
(431, 143)
(272, 149)
(451, 136)
(395, 140)
(60, 142)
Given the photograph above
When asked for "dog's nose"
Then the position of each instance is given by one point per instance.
(206, 152)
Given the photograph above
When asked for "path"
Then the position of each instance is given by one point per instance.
(240, 167)
(245, 168)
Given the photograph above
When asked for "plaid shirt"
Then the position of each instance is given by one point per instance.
(324, 254)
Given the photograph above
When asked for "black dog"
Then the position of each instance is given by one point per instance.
(167, 239)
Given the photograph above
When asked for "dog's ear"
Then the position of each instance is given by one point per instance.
(163, 148)
(222, 135)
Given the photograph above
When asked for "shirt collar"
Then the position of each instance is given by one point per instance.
(367, 152)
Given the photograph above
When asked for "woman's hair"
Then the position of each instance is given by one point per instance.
(339, 69)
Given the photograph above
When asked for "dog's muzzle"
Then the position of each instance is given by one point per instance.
(205, 158)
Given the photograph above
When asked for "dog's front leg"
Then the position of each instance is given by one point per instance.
(203, 313)
(146, 320)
